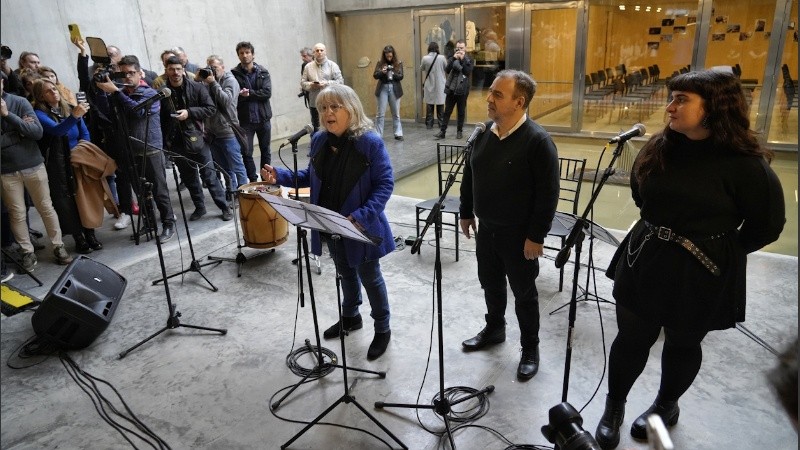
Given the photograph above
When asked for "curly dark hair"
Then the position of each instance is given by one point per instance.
(726, 117)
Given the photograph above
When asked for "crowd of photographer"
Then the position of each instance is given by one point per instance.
(72, 156)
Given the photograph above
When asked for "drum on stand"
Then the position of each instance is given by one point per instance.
(262, 226)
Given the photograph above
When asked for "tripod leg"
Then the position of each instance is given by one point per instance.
(217, 330)
(380, 425)
(123, 354)
(314, 422)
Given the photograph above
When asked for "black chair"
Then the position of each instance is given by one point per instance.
(448, 157)
(570, 173)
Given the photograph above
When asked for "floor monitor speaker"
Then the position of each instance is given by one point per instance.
(80, 305)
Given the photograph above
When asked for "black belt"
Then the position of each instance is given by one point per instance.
(666, 234)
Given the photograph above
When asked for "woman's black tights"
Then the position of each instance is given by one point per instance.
(680, 359)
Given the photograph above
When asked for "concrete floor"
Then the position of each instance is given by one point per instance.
(201, 390)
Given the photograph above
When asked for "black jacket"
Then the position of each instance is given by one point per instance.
(383, 78)
(199, 104)
(259, 94)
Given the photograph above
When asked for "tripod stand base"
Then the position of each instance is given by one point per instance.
(194, 266)
(240, 259)
(344, 399)
(173, 322)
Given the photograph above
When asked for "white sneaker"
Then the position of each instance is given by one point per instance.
(123, 222)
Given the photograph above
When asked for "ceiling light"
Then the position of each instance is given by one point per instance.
(637, 7)
(622, 7)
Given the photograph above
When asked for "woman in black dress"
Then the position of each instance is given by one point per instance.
(707, 198)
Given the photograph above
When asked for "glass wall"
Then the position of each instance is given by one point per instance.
(601, 65)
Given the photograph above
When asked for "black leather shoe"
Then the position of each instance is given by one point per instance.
(378, 345)
(349, 323)
(227, 215)
(197, 214)
(439, 135)
(398, 138)
(487, 336)
(167, 231)
(607, 433)
(668, 411)
(528, 363)
(459, 135)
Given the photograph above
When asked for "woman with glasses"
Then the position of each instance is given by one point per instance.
(389, 73)
(63, 127)
(708, 197)
(350, 172)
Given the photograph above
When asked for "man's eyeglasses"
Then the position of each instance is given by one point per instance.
(129, 73)
(334, 108)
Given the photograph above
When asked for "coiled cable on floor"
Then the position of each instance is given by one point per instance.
(475, 408)
(329, 360)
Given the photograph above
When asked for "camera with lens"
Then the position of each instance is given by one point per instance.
(5, 52)
(206, 72)
(565, 429)
(390, 72)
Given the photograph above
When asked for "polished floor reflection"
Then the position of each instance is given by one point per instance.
(614, 207)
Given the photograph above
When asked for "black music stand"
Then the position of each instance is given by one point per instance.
(562, 225)
(330, 222)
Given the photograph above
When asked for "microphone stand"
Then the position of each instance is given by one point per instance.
(173, 321)
(442, 406)
(575, 239)
(195, 265)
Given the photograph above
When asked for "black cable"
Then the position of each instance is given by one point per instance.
(318, 371)
(88, 383)
(31, 348)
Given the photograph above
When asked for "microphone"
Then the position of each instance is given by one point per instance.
(480, 127)
(296, 137)
(164, 93)
(637, 130)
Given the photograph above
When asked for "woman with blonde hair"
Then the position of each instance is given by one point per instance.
(63, 128)
(349, 171)
(66, 93)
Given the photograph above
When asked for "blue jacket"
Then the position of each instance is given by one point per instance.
(139, 120)
(366, 202)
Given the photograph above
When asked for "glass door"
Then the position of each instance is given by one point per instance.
(551, 57)
(441, 26)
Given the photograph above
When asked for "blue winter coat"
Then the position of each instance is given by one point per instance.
(366, 202)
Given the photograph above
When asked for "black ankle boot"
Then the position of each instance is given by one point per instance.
(81, 246)
(667, 410)
(91, 239)
(607, 434)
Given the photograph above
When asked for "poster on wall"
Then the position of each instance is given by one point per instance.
(721, 19)
(743, 36)
(691, 20)
(666, 38)
(652, 45)
(667, 22)
(717, 37)
(760, 24)
(679, 30)
(655, 30)
(733, 28)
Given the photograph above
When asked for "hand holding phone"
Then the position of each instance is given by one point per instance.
(80, 97)
(74, 32)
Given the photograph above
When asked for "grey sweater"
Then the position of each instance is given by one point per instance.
(19, 148)
(225, 94)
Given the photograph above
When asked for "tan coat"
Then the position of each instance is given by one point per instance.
(91, 166)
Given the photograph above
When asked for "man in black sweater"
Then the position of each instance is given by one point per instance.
(511, 183)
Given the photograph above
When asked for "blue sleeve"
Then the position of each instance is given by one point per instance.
(54, 128)
(381, 178)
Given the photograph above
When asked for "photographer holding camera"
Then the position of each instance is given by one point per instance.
(132, 93)
(389, 73)
(458, 69)
(225, 148)
(13, 83)
(182, 116)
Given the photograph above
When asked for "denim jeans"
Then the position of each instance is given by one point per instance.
(264, 132)
(228, 154)
(387, 96)
(35, 181)
(367, 274)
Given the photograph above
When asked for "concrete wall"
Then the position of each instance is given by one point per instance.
(276, 28)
